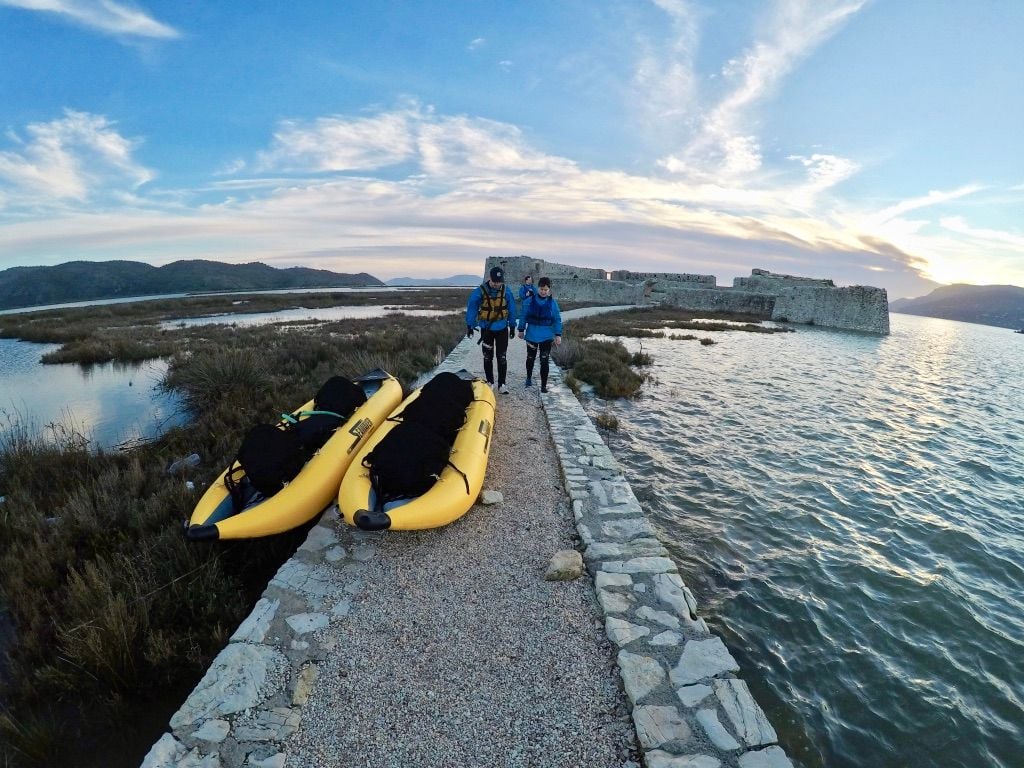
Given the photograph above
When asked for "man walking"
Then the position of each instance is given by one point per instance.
(492, 307)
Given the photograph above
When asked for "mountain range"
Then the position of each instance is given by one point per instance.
(999, 305)
(87, 280)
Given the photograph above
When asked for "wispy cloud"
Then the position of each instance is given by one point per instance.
(935, 197)
(475, 43)
(103, 15)
(69, 159)
(724, 143)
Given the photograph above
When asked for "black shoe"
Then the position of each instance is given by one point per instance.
(543, 388)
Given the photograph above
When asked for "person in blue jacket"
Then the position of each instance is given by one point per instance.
(492, 308)
(526, 289)
(542, 322)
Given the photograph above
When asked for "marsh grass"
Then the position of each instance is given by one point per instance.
(97, 334)
(608, 366)
(110, 604)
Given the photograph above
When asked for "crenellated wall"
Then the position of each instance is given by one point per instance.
(806, 300)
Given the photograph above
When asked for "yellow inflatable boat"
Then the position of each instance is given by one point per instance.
(232, 508)
(456, 487)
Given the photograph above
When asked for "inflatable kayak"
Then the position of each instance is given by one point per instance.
(363, 498)
(234, 507)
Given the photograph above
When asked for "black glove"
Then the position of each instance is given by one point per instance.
(469, 332)
(511, 332)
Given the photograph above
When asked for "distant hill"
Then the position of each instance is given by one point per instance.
(453, 280)
(999, 305)
(87, 280)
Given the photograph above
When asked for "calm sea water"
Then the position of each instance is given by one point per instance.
(849, 510)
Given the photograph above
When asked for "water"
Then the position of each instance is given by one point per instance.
(155, 297)
(848, 509)
(109, 403)
(117, 403)
(301, 313)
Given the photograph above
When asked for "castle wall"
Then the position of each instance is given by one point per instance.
(683, 280)
(857, 308)
(724, 300)
(807, 300)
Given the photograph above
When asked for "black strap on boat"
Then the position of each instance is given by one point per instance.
(464, 478)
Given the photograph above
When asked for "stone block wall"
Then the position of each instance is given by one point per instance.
(858, 307)
(808, 300)
(725, 300)
(673, 278)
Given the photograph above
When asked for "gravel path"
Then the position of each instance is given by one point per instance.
(457, 652)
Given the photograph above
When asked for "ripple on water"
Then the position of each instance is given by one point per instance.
(853, 533)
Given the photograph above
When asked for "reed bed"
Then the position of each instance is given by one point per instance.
(110, 604)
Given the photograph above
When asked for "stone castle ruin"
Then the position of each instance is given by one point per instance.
(782, 298)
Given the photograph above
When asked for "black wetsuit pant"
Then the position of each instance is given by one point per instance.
(495, 342)
(531, 354)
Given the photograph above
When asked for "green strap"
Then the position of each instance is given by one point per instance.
(320, 413)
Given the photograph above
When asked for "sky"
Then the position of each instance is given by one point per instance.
(874, 142)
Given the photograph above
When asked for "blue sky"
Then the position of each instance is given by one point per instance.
(876, 142)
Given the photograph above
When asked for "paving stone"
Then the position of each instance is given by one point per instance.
(639, 565)
(747, 718)
(320, 537)
(658, 758)
(613, 602)
(720, 737)
(661, 617)
(256, 625)
(489, 497)
(659, 725)
(668, 637)
(303, 623)
(640, 675)
(213, 731)
(363, 552)
(622, 632)
(335, 554)
(234, 682)
(773, 757)
(603, 580)
(692, 695)
(702, 659)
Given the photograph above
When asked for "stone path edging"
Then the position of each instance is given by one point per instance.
(689, 709)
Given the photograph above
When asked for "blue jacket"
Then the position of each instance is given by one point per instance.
(526, 291)
(476, 300)
(541, 318)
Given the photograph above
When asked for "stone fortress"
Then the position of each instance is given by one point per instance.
(782, 298)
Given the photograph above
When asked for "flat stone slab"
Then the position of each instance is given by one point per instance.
(702, 659)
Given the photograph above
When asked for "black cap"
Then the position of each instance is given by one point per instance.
(544, 281)
(497, 275)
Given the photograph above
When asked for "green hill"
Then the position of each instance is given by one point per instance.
(999, 305)
(88, 280)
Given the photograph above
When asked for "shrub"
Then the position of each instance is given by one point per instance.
(607, 420)
(707, 342)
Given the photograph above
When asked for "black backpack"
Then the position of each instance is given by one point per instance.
(406, 462)
(437, 412)
(450, 385)
(271, 456)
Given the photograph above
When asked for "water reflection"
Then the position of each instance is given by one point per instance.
(301, 313)
(847, 508)
(108, 403)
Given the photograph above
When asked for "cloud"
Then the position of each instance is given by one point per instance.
(103, 15)
(935, 197)
(723, 144)
(423, 188)
(70, 159)
(506, 65)
(477, 42)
